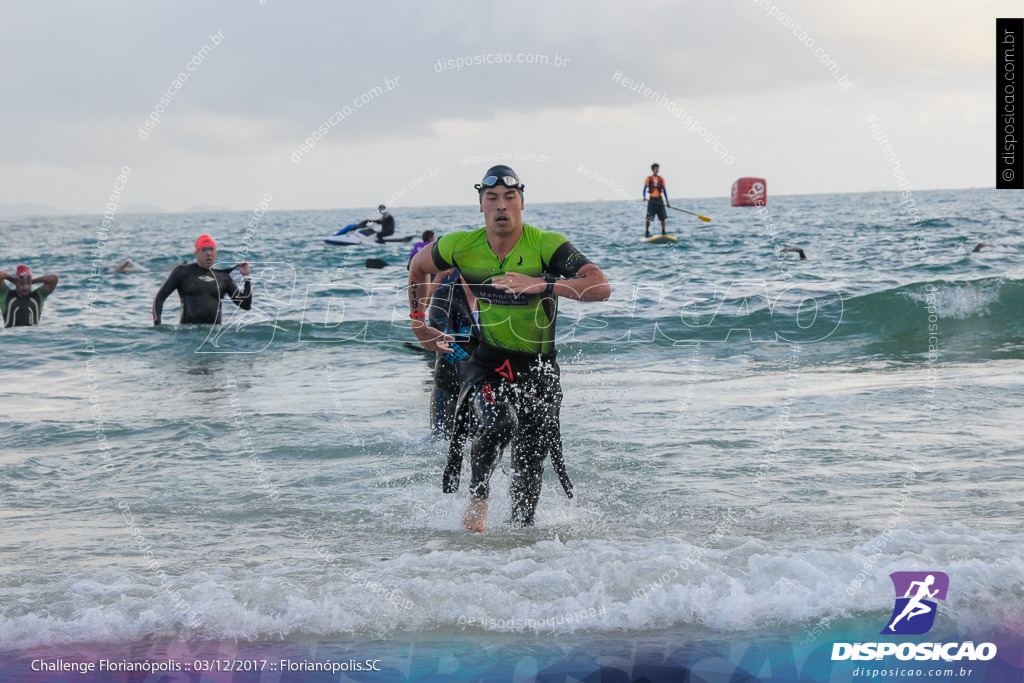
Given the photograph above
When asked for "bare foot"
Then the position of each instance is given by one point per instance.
(475, 517)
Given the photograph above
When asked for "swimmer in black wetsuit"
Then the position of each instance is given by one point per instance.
(22, 305)
(794, 250)
(200, 287)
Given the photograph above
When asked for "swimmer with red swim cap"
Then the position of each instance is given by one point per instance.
(21, 305)
(201, 287)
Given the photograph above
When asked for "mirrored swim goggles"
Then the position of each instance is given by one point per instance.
(506, 180)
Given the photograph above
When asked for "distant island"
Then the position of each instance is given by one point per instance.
(35, 209)
(31, 209)
(143, 208)
(205, 208)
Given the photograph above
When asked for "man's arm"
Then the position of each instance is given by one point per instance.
(49, 282)
(241, 297)
(420, 268)
(171, 284)
(647, 183)
(589, 284)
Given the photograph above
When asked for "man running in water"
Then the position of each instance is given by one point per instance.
(200, 287)
(23, 305)
(511, 378)
(655, 185)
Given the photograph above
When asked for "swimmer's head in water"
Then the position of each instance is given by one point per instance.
(23, 279)
(206, 251)
(205, 241)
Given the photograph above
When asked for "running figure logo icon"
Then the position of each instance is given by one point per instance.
(914, 612)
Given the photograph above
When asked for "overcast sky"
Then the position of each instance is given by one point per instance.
(80, 79)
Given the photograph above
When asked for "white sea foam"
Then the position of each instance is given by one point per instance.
(961, 299)
(586, 586)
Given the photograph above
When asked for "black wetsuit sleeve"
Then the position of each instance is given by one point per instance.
(172, 283)
(240, 297)
(567, 260)
(439, 262)
(449, 308)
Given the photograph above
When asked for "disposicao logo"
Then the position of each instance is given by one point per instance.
(914, 614)
(915, 611)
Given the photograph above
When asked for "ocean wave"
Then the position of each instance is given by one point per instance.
(808, 314)
(737, 584)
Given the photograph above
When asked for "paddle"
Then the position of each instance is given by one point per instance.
(703, 218)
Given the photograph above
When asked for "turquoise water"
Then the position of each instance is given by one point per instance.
(756, 442)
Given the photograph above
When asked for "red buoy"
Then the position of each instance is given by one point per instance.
(749, 192)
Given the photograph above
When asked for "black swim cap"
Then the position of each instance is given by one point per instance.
(500, 175)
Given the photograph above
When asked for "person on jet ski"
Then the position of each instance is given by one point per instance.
(386, 222)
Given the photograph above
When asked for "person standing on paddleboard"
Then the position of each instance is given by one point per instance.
(200, 287)
(516, 272)
(654, 187)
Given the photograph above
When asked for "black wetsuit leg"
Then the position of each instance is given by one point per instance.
(524, 413)
(497, 422)
(443, 397)
(538, 435)
(463, 426)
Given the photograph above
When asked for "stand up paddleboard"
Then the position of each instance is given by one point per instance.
(658, 239)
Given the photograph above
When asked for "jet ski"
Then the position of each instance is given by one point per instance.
(361, 233)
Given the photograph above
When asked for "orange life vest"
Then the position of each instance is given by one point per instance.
(654, 183)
